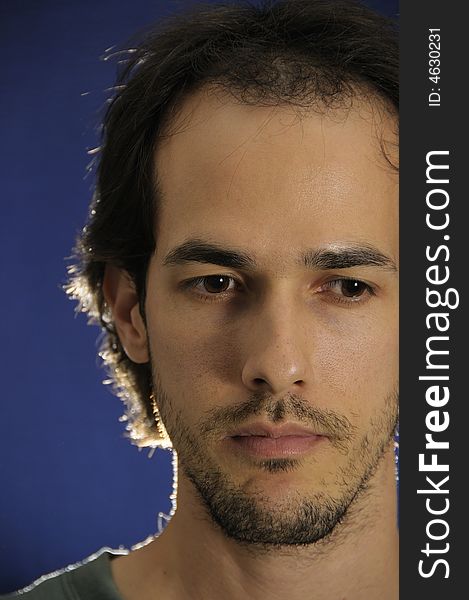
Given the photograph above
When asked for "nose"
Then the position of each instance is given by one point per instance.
(276, 358)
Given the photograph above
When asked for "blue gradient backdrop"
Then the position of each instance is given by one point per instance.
(70, 481)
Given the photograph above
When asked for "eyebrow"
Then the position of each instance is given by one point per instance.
(196, 250)
(346, 257)
(339, 257)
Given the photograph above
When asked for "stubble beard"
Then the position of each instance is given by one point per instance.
(249, 517)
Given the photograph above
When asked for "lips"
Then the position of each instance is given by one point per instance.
(265, 440)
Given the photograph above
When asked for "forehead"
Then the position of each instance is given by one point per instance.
(276, 180)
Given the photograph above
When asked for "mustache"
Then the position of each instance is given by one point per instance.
(291, 407)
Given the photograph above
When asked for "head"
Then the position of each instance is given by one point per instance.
(241, 256)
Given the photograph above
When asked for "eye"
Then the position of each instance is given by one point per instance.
(211, 287)
(215, 284)
(347, 290)
(351, 288)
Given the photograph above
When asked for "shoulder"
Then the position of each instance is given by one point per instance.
(89, 579)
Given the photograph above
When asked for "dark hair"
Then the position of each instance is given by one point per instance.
(300, 52)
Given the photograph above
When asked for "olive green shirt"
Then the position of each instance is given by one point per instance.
(90, 579)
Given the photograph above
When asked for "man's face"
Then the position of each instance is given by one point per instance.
(272, 310)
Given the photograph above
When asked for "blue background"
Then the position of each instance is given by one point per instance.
(70, 481)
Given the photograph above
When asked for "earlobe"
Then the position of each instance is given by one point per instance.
(121, 297)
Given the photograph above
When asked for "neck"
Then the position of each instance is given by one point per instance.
(193, 559)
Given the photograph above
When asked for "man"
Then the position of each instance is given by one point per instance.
(242, 256)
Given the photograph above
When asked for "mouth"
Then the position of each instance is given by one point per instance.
(270, 441)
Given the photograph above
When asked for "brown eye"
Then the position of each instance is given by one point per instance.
(352, 288)
(346, 292)
(216, 284)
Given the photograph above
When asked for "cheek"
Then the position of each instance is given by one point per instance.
(193, 358)
(358, 365)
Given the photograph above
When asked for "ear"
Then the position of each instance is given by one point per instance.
(121, 297)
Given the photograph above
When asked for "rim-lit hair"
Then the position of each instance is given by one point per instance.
(313, 54)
